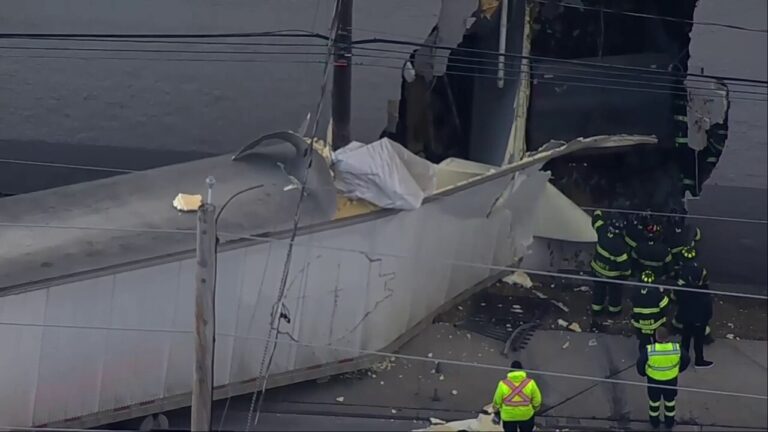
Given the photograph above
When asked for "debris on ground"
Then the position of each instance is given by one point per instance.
(436, 421)
(519, 278)
(394, 411)
(454, 392)
(429, 355)
(560, 305)
(566, 344)
(730, 336)
(340, 399)
(592, 342)
(574, 327)
(539, 294)
(582, 288)
(562, 323)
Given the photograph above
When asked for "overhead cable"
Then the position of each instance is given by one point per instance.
(269, 340)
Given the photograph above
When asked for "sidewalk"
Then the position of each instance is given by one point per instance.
(407, 389)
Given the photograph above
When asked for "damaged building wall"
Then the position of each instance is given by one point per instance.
(577, 99)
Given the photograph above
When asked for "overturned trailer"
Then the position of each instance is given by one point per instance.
(96, 304)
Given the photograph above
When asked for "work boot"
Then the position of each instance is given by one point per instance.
(703, 364)
(655, 423)
(669, 422)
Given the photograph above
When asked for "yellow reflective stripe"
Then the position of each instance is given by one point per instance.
(597, 307)
(621, 258)
(653, 326)
(654, 413)
(607, 273)
(649, 263)
(664, 302)
(670, 413)
(703, 277)
(669, 404)
(697, 237)
(689, 181)
(614, 308)
(681, 140)
(646, 311)
(598, 224)
(681, 118)
(654, 404)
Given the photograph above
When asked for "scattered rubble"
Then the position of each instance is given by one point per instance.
(560, 305)
(340, 399)
(574, 327)
(519, 278)
(593, 342)
(566, 344)
(454, 392)
(583, 288)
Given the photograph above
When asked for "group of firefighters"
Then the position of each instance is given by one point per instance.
(639, 249)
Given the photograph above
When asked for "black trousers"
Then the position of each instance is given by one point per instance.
(518, 426)
(603, 290)
(655, 396)
(697, 332)
(643, 340)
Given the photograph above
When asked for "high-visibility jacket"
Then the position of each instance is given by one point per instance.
(634, 234)
(663, 361)
(652, 256)
(517, 397)
(611, 258)
(648, 306)
(677, 240)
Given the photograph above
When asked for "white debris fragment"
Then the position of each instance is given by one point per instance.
(394, 411)
(381, 382)
(566, 344)
(582, 289)
(391, 359)
(373, 375)
(436, 421)
(593, 342)
(575, 327)
(560, 305)
(454, 392)
(482, 304)
(469, 336)
(460, 308)
(730, 336)
(519, 278)
(442, 377)
(516, 306)
(730, 325)
(562, 323)
(539, 294)
(429, 355)
(340, 399)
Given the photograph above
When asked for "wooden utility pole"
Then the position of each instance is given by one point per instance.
(342, 76)
(205, 279)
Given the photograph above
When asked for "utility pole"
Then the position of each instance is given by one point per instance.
(342, 76)
(205, 279)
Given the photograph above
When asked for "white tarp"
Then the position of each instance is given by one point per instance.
(384, 173)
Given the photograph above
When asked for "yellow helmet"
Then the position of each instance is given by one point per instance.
(647, 276)
(689, 252)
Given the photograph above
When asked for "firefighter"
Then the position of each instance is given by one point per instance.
(686, 156)
(687, 256)
(516, 401)
(610, 261)
(648, 310)
(635, 230)
(694, 311)
(651, 254)
(661, 363)
(679, 235)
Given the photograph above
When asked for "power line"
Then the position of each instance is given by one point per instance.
(62, 165)
(267, 239)
(658, 17)
(456, 73)
(379, 353)
(306, 34)
(552, 59)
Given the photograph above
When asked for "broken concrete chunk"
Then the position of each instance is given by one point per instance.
(562, 323)
(429, 355)
(442, 377)
(454, 392)
(519, 278)
(187, 202)
(730, 336)
(592, 342)
(340, 399)
(394, 411)
(574, 327)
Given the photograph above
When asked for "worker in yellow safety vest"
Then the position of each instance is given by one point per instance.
(661, 362)
(516, 400)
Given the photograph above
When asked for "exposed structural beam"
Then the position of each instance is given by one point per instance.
(342, 76)
(502, 42)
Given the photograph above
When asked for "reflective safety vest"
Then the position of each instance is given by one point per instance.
(517, 402)
(663, 361)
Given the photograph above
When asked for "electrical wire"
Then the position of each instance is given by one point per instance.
(279, 302)
(658, 17)
(488, 67)
(260, 238)
(493, 62)
(552, 59)
(62, 165)
(307, 34)
(383, 354)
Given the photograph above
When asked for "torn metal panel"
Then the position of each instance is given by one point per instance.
(451, 25)
(516, 146)
(558, 218)
(705, 109)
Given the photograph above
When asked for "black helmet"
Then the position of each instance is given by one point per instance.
(616, 224)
